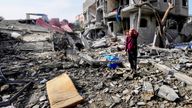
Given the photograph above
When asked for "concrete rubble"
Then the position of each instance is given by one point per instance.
(157, 82)
(167, 93)
(35, 52)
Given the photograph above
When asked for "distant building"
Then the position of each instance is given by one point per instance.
(89, 11)
(80, 18)
(106, 11)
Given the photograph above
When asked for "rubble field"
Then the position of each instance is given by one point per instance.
(163, 78)
(100, 86)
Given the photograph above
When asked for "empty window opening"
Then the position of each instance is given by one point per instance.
(126, 2)
(143, 22)
(184, 3)
(111, 26)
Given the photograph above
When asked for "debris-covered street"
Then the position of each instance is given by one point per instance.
(52, 63)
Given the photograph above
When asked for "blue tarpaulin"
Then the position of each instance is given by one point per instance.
(113, 61)
(118, 15)
(182, 45)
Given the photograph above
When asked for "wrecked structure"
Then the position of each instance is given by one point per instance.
(89, 11)
(37, 34)
(120, 15)
(46, 63)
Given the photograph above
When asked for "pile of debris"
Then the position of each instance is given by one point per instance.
(34, 59)
(163, 78)
(23, 36)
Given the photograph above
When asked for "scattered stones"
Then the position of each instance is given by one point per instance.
(183, 60)
(91, 101)
(42, 98)
(107, 103)
(141, 103)
(33, 74)
(144, 62)
(135, 92)
(6, 97)
(43, 81)
(106, 90)
(45, 105)
(99, 86)
(36, 106)
(116, 99)
(167, 93)
(131, 103)
(150, 104)
(148, 92)
(126, 91)
(4, 87)
(189, 65)
(127, 98)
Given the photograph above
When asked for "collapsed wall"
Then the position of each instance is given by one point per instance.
(16, 36)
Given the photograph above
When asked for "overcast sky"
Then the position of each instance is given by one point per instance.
(63, 9)
(190, 7)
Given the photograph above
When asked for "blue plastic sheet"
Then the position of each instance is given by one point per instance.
(182, 45)
(113, 61)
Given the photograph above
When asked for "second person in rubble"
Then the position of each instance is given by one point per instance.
(131, 48)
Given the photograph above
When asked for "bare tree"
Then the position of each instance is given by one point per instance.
(161, 22)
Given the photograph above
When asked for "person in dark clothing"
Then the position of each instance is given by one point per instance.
(131, 48)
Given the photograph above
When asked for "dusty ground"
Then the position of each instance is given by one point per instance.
(101, 87)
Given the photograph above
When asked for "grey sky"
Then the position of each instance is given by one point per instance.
(63, 9)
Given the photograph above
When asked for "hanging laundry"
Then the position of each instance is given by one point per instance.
(118, 15)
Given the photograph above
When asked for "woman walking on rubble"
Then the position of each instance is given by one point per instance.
(131, 48)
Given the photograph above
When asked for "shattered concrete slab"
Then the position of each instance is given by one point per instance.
(167, 93)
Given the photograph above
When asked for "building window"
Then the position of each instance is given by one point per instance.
(121, 2)
(165, 0)
(98, 3)
(184, 3)
(126, 2)
(143, 22)
(111, 27)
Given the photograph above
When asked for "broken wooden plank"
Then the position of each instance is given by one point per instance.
(62, 92)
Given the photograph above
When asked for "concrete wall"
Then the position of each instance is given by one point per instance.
(87, 4)
(116, 27)
(100, 11)
(183, 9)
(162, 6)
(178, 10)
(110, 5)
(89, 11)
(146, 33)
(99, 15)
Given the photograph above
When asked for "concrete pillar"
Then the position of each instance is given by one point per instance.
(133, 20)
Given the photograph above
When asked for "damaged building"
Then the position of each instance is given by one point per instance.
(120, 15)
(52, 63)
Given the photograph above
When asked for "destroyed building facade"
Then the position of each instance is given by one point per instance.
(89, 11)
(120, 15)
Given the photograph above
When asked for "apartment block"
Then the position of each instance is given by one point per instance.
(109, 12)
